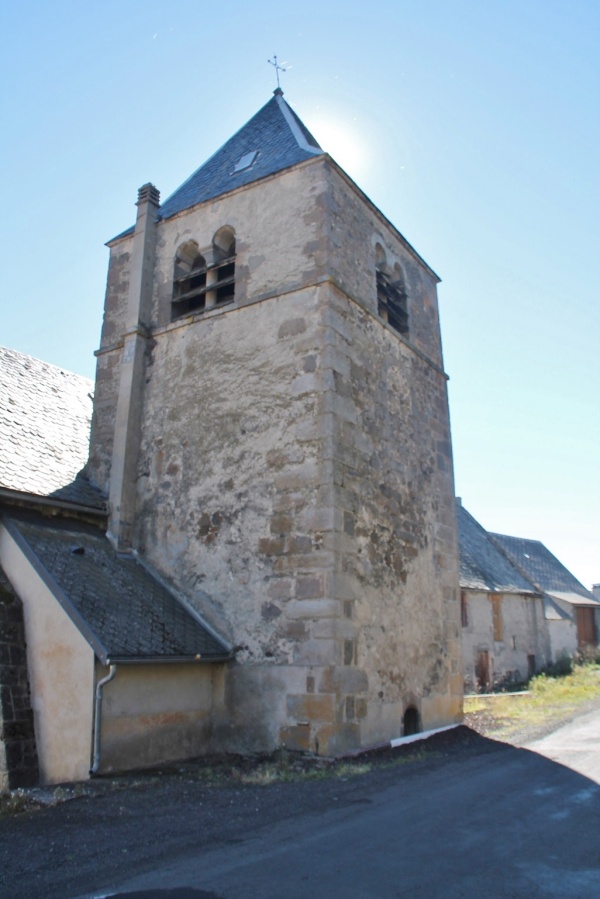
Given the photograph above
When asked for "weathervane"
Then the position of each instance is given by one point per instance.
(277, 68)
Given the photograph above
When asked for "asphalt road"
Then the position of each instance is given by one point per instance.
(577, 745)
(507, 823)
(459, 816)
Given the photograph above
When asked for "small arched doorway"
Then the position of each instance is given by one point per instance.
(410, 722)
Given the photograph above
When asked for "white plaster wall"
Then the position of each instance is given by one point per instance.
(156, 713)
(563, 634)
(61, 672)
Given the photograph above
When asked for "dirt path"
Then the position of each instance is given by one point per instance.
(488, 725)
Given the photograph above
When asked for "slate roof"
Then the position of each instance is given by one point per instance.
(503, 564)
(45, 415)
(482, 565)
(544, 569)
(553, 612)
(123, 611)
(275, 133)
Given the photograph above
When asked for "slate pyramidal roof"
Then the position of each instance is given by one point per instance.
(273, 140)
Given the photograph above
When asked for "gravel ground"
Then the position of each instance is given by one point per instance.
(118, 827)
(68, 841)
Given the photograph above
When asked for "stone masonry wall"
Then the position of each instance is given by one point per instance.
(354, 228)
(107, 365)
(396, 568)
(295, 472)
(280, 247)
(524, 633)
(18, 757)
(234, 500)
(281, 241)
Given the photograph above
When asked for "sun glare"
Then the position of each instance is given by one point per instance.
(344, 144)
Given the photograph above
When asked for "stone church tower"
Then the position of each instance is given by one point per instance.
(271, 428)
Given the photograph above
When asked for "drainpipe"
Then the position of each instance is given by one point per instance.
(98, 717)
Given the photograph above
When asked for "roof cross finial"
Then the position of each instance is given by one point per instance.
(277, 68)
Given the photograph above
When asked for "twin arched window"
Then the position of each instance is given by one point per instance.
(392, 299)
(204, 279)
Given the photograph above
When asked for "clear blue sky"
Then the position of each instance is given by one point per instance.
(473, 124)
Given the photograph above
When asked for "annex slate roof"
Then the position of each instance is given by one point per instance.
(273, 140)
(482, 565)
(553, 612)
(124, 612)
(45, 415)
(544, 569)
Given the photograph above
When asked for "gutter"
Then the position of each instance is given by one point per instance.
(168, 660)
(98, 717)
(32, 499)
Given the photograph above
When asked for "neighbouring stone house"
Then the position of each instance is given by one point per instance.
(270, 474)
(521, 610)
(504, 632)
(572, 612)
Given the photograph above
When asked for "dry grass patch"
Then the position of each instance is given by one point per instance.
(309, 769)
(548, 701)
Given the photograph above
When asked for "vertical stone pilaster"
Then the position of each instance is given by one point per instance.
(210, 258)
(127, 433)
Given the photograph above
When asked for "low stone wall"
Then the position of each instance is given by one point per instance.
(18, 756)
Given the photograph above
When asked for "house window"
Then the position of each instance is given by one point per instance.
(496, 600)
(392, 299)
(204, 280)
(464, 610)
